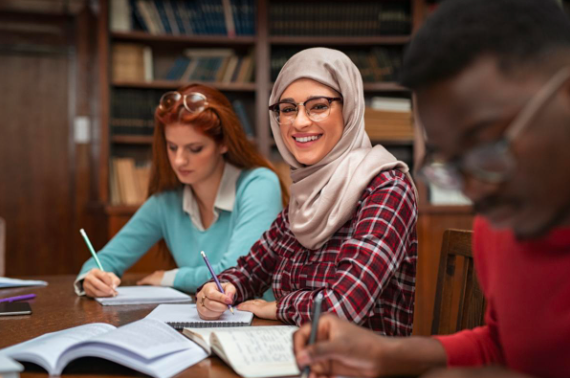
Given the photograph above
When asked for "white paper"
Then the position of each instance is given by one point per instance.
(188, 314)
(14, 282)
(259, 351)
(128, 295)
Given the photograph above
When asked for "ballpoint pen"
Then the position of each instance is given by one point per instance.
(18, 298)
(314, 328)
(215, 278)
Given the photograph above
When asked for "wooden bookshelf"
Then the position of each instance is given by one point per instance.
(340, 41)
(185, 40)
(169, 84)
(132, 139)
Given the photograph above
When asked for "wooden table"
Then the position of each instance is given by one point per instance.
(56, 307)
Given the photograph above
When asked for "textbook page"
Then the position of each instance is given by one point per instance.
(147, 345)
(47, 349)
(257, 351)
(130, 295)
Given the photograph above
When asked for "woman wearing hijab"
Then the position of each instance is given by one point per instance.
(349, 231)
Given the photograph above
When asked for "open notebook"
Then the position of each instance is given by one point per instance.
(131, 295)
(251, 351)
(186, 315)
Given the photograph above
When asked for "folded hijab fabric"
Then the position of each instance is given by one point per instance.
(324, 195)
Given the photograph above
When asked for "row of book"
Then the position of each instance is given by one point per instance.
(389, 119)
(336, 18)
(378, 64)
(128, 181)
(132, 112)
(212, 65)
(184, 17)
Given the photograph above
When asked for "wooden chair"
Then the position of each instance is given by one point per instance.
(459, 301)
(2, 247)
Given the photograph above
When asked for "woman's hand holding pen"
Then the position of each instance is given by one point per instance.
(211, 303)
(100, 284)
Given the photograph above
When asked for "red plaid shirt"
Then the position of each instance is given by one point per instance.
(366, 270)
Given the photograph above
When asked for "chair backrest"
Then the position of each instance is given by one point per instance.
(459, 301)
(2, 247)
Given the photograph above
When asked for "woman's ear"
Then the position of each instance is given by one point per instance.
(223, 148)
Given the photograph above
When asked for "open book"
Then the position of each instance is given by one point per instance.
(252, 352)
(147, 345)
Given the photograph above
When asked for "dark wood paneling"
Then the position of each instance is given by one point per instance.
(36, 196)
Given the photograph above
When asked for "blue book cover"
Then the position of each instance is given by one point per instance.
(239, 108)
(163, 16)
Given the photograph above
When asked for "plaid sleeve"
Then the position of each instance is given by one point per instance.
(366, 261)
(253, 273)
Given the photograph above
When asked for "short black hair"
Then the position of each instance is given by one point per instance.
(461, 31)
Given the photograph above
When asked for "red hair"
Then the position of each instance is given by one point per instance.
(219, 122)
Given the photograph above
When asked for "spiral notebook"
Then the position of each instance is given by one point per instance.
(180, 316)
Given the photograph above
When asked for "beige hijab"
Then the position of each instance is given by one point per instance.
(324, 195)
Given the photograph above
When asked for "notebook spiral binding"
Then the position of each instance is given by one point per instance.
(180, 325)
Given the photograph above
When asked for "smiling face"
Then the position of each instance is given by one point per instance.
(194, 157)
(309, 141)
(475, 108)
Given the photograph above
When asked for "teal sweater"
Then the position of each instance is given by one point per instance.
(257, 203)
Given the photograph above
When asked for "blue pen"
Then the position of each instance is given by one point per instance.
(215, 278)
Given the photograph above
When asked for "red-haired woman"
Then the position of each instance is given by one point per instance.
(210, 190)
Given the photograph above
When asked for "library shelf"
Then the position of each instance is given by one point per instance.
(340, 41)
(170, 84)
(221, 40)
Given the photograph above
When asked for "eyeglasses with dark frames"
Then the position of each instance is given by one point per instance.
(491, 162)
(316, 108)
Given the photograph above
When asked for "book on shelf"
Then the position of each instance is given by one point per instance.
(131, 62)
(354, 18)
(132, 111)
(241, 113)
(376, 64)
(389, 119)
(190, 17)
(128, 182)
(148, 346)
(212, 65)
(265, 351)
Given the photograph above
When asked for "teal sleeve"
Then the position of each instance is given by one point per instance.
(258, 204)
(141, 232)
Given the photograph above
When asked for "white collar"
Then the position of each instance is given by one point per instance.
(225, 199)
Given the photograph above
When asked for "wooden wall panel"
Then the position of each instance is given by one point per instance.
(431, 225)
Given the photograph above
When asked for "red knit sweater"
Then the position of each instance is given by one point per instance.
(527, 285)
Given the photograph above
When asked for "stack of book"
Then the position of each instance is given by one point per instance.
(389, 119)
(212, 65)
(131, 62)
(336, 18)
(185, 17)
(378, 64)
(129, 182)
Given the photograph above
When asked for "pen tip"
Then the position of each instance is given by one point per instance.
(232, 310)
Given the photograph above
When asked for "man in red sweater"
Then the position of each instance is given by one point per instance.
(492, 83)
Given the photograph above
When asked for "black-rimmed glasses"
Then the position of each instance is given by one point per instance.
(317, 109)
(492, 162)
(193, 102)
